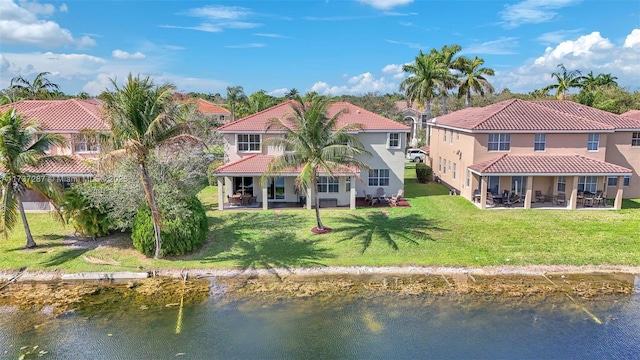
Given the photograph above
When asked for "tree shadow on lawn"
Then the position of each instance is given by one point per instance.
(364, 229)
(630, 204)
(277, 250)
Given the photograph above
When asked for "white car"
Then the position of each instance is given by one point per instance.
(414, 155)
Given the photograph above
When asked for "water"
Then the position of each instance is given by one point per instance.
(383, 327)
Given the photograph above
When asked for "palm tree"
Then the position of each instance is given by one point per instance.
(566, 80)
(317, 146)
(22, 151)
(426, 72)
(291, 95)
(142, 117)
(446, 57)
(256, 102)
(40, 87)
(473, 78)
(235, 95)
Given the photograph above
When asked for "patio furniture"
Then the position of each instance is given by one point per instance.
(539, 196)
(235, 200)
(490, 199)
(599, 199)
(395, 198)
(476, 195)
(560, 199)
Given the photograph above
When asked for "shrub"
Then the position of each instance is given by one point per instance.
(87, 220)
(212, 167)
(423, 172)
(184, 228)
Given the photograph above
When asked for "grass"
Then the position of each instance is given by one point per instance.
(437, 229)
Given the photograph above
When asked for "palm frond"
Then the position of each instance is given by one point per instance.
(8, 209)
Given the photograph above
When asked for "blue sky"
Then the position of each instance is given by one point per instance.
(332, 47)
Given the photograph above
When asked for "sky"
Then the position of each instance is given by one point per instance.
(333, 47)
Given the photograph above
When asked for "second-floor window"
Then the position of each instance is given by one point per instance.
(393, 141)
(248, 142)
(454, 170)
(378, 177)
(635, 139)
(221, 117)
(85, 144)
(593, 142)
(499, 142)
(451, 137)
(540, 142)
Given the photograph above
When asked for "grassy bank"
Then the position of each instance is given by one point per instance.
(437, 229)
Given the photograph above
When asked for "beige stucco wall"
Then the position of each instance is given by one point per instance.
(620, 152)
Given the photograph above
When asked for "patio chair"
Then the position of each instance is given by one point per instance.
(490, 199)
(561, 199)
(539, 196)
(506, 199)
(234, 200)
(395, 198)
(599, 199)
(382, 196)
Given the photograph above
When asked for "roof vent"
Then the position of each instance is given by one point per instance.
(433, 120)
(358, 111)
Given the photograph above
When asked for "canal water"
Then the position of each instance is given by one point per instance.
(386, 326)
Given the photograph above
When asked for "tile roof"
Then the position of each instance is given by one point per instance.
(601, 116)
(518, 115)
(570, 164)
(257, 164)
(76, 165)
(355, 114)
(634, 114)
(403, 105)
(61, 115)
(207, 107)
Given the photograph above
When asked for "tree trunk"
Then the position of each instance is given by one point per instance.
(444, 105)
(155, 214)
(428, 108)
(467, 99)
(27, 231)
(314, 190)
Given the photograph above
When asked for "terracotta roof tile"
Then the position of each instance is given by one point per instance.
(634, 114)
(604, 117)
(76, 165)
(570, 164)
(61, 115)
(207, 107)
(355, 114)
(257, 164)
(519, 115)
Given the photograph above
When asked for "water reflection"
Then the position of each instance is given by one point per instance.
(349, 324)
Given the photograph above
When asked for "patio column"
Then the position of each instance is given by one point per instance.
(352, 196)
(309, 199)
(529, 194)
(483, 192)
(573, 202)
(220, 194)
(617, 203)
(265, 195)
(228, 185)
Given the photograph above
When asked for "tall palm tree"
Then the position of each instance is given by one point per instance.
(425, 74)
(256, 102)
(566, 80)
(22, 151)
(291, 95)
(606, 80)
(40, 87)
(446, 56)
(235, 96)
(317, 146)
(142, 117)
(473, 78)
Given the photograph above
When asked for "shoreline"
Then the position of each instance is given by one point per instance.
(525, 270)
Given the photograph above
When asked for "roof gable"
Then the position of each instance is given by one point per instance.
(207, 107)
(634, 114)
(61, 115)
(369, 120)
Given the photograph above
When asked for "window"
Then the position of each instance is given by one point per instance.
(444, 166)
(85, 144)
(444, 135)
(562, 184)
(635, 139)
(499, 142)
(540, 142)
(519, 184)
(467, 180)
(348, 184)
(439, 163)
(327, 184)
(449, 165)
(248, 142)
(612, 181)
(393, 141)
(457, 136)
(593, 142)
(587, 183)
(275, 190)
(424, 121)
(627, 180)
(493, 184)
(379, 177)
(450, 136)
(454, 170)
(243, 185)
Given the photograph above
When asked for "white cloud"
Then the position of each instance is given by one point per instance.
(555, 37)
(385, 4)
(275, 36)
(395, 70)
(502, 46)
(356, 85)
(219, 12)
(246, 46)
(632, 39)
(217, 18)
(278, 92)
(20, 25)
(589, 52)
(532, 12)
(123, 55)
(408, 44)
(63, 8)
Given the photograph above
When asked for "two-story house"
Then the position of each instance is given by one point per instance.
(68, 118)
(537, 148)
(214, 112)
(247, 158)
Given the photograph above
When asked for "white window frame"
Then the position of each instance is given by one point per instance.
(561, 185)
(348, 184)
(501, 142)
(540, 142)
(451, 137)
(635, 139)
(327, 184)
(444, 136)
(455, 166)
(439, 163)
(379, 177)
(397, 140)
(612, 181)
(85, 146)
(593, 142)
(626, 180)
(588, 184)
(249, 142)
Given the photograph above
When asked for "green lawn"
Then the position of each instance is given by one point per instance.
(438, 229)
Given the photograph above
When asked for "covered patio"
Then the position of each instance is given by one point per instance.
(546, 182)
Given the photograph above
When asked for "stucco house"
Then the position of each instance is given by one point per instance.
(215, 112)
(539, 150)
(246, 159)
(68, 118)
